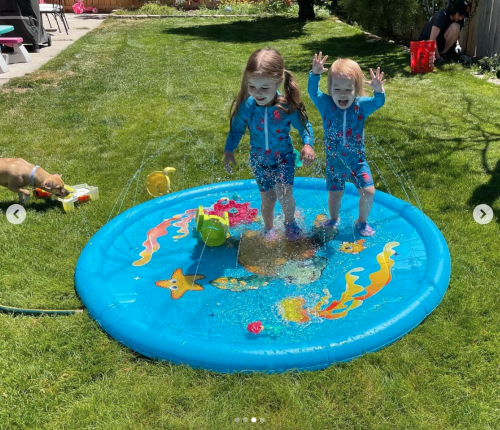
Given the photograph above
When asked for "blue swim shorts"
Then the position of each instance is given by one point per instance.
(360, 175)
(267, 176)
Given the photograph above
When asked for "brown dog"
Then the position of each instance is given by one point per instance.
(16, 173)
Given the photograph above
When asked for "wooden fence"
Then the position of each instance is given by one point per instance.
(105, 5)
(109, 5)
(480, 36)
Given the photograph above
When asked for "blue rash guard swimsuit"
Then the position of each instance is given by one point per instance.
(344, 136)
(271, 149)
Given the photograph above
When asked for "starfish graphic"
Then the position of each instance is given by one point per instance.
(179, 283)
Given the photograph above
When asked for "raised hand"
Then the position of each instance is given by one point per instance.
(376, 83)
(318, 64)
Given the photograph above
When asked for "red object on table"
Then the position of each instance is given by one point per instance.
(41, 194)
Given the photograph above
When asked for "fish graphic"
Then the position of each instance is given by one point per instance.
(243, 283)
(352, 247)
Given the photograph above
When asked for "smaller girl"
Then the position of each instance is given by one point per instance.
(268, 116)
(344, 112)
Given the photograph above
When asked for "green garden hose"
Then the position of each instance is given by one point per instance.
(10, 309)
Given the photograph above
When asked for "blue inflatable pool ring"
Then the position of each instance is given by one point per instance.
(248, 304)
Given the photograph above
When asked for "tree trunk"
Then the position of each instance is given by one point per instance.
(306, 10)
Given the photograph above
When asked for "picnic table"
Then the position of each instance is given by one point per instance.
(3, 64)
(20, 54)
(6, 28)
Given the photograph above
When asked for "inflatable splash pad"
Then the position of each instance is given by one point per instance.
(246, 305)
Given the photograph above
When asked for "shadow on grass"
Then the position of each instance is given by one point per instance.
(262, 30)
(418, 158)
(447, 146)
(488, 193)
(366, 51)
(37, 206)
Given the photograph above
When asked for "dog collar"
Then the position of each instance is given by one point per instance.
(32, 176)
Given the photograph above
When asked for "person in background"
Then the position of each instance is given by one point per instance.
(444, 27)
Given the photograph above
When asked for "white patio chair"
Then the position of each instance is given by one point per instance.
(54, 8)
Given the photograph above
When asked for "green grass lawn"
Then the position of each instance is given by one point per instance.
(136, 96)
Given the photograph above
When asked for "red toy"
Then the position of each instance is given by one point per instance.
(239, 213)
(41, 194)
(256, 327)
(79, 8)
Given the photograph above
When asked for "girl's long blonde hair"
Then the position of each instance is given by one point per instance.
(268, 62)
(350, 69)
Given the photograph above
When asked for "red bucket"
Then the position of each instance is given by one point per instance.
(422, 56)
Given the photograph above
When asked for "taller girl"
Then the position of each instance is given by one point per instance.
(268, 116)
(344, 112)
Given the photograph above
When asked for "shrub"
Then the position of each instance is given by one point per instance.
(490, 65)
(387, 17)
(153, 7)
(276, 7)
(241, 7)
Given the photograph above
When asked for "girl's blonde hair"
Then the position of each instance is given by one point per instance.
(268, 62)
(350, 69)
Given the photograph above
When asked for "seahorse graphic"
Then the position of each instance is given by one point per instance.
(349, 299)
(151, 244)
